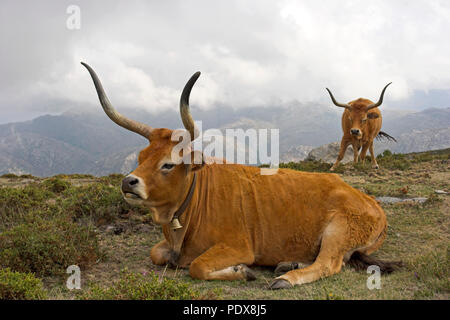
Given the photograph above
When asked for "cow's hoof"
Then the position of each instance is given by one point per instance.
(284, 267)
(375, 166)
(280, 284)
(247, 272)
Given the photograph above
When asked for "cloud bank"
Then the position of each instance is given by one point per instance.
(251, 53)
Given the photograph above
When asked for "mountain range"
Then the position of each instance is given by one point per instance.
(88, 142)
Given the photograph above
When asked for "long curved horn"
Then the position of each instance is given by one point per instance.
(186, 117)
(380, 101)
(342, 105)
(135, 126)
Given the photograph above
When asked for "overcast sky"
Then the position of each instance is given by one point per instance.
(250, 53)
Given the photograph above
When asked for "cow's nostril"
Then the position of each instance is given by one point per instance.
(129, 184)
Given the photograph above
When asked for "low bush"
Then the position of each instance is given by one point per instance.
(16, 204)
(97, 203)
(135, 286)
(56, 185)
(101, 203)
(309, 166)
(47, 246)
(20, 286)
(9, 176)
(393, 161)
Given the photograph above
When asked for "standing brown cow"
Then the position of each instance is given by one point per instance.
(361, 124)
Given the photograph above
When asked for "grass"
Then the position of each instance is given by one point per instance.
(49, 223)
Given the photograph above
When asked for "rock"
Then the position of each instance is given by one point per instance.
(51, 201)
(391, 200)
(329, 152)
(143, 228)
(118, 230)
(440, 192)
(296, 154)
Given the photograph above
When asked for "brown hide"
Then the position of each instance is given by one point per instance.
(273, 218)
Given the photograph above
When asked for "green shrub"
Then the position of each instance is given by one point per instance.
(17, 203)
(13, 200)
(47, 246)
(20, 286)
(97, 203)
(310, 166)
(14, 176)
(114, 179)
(395, 161)
(10, 176)
(430, 155)
(56, 185)
(135, 286)
(27, 176)
(74, 176)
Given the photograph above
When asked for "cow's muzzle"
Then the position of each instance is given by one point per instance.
(132, 187)
(355, 132)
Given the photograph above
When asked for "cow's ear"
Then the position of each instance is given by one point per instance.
(372, 115)
(197, 160)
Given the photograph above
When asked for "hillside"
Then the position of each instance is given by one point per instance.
(90, 143)
(48, 224)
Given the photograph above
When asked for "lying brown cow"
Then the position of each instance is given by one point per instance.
(361, 123)
(218, 219)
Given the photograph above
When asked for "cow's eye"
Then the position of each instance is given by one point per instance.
(363, 120)
(167, 166)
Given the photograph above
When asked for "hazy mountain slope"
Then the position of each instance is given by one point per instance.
(79, 142)
(31, 153)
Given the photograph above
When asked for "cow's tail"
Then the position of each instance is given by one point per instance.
(361, 261)
(383, 135)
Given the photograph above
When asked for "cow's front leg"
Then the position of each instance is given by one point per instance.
(161, 253)
(362, 155)
(344, 145)
(355, 152)
(222, 262)
(286, 266)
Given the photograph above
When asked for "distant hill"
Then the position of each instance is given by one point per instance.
(91, 143)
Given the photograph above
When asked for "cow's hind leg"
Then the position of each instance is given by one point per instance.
(372, 154)
(334, 245)
(222, 262)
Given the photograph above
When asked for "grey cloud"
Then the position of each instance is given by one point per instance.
(250, 52)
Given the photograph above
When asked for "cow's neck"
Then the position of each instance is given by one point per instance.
(175, 224)
(176, 236)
